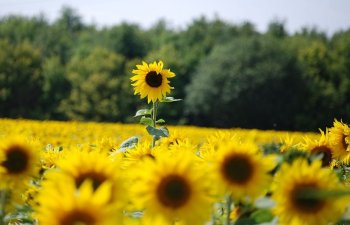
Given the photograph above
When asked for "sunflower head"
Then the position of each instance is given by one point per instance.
(242, 170)
(61, 203)
(174, 187)
(339, 137)
(292, 188)
(80, 166)
(321, 147)
(151, 81)
(19, 160)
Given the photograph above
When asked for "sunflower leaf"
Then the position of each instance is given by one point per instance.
(160, 121)
(262, 216)
(128, 143)
(143, 112)
(170, 99)
(146, 121)
(158, 132)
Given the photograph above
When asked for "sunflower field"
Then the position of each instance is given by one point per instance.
(87, 173)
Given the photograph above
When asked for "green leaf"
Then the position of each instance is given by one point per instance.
(262, 216)
(245, 221)
(146, 121)
(170, 99)
(143, 112)
(160, 121)
(129, 143)
(158, 132)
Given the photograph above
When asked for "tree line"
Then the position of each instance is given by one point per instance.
(228, 75)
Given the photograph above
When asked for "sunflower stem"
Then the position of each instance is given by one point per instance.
(228, 209)
(3, 200)
(154, 118)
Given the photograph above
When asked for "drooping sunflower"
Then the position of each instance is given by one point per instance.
(60, 203)
(320, 146)
(151, 81)
(290, 185)
(241, 170)
(81, 165)
(173, 188)
(19, 162)
(339, 137)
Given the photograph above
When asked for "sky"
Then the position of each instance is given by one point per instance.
(327, 16)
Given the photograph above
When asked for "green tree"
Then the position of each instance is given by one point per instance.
(20, 80)
(249, 82)
(95, 86)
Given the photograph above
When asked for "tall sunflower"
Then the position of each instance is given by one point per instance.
(151, 81)
(339, 136)
(241, 170)
(60, 203)
(320, 146)
(294, 208)
(173, 188)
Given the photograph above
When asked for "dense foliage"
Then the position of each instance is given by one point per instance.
(229, 75)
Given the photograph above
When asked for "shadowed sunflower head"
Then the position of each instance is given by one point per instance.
(292, 190)
(151, 81)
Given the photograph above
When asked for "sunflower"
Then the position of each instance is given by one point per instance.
(291, 183)
(339, 136)
(241, 170)
(151, 80)
(174, 138)
(288, 143)
(139, 153)
(173, 188)
(320, 146)
(60, 203)
(213, 142)
(99, 168)
(19, 162)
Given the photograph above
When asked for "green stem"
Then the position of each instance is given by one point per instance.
(3, 199)
(154, 118)
(228, 209)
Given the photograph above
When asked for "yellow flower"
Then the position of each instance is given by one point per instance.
(241, 170)
(81, 165)
(339, 136)
(320, 146)
(151, 81)
(173, 188)
(60, 203)
(19, 162)
(292, 181)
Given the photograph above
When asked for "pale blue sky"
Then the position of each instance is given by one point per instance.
(326, 15)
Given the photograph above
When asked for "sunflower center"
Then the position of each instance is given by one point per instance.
(173, 191)
(77, 217)
(304, 203)
(154, 79)
(97, 178)
(17, 160)
(237, 169)
(326, 154)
